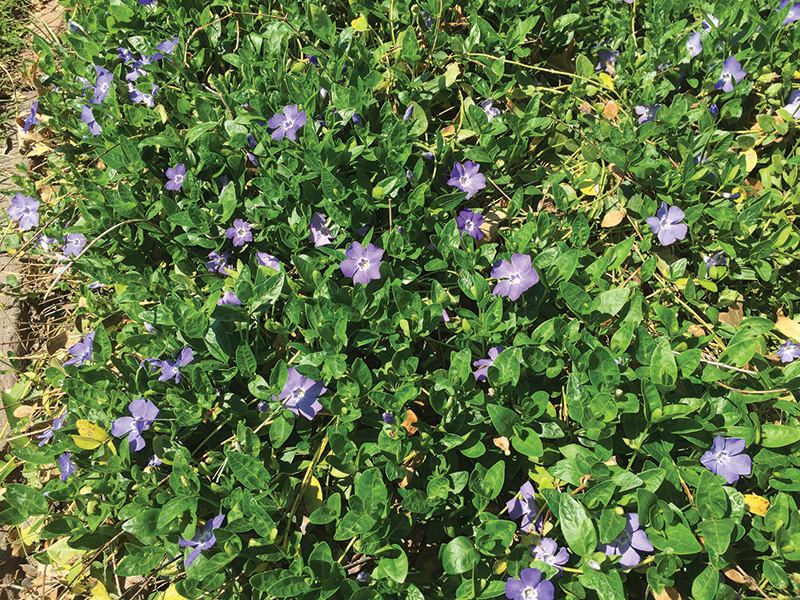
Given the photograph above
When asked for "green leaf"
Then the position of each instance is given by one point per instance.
(577, 526)
(101, 347)
(410, 47)
(704, 586)
(320, 22)
(584, 66)
(143, 525)
(711, 499)
(576, 298)
(777, 436)
(281, 428)
(663, 369)
(459, 556)
(607, 585)
(248, 471)
(679, 539)
(395, 568)
(460, 366)
(371, 489)
(717, 534)
(26, 500)
(139, 560)
(505, 368)
(503, 418)
(245, 360)
(740, 353)
(775, 574)
(527, 442)
(611, 302)
(603, 371)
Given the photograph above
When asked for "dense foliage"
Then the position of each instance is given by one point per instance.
(381, 299)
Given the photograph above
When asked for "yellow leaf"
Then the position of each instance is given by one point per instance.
(360, 24)
(591, 190)
(756, 505)
(607, 80)
(99, 591)
(171, 594)
(312, 495)
(750, 159)
(90, 435)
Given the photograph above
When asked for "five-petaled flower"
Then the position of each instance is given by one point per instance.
(300, 394)
(626, 544)
(88, 117)
(218, 262)
(467, 178)
(239, 233)
(529, 586)
(362, 264)
(717, 260)
(66, 465)
(484, 363)
(202, 540)
(143, 413)
(408, 113)
(139, 97)
(322, 231)
(695, 43)
(489, 109)
(175, 177)
(229, 298)
(725, 458)
(168, 46)
(267, 260)
(30, 118)
(81, 351)
(73, 244)
(607, 60)
(793, 106)
(666, 224)
(58, 423)
(515, 276)
(732, 71)
(793, 14)
(647, 113)
(547, 551)
(102, 85)
(24, 210)
(470, 222)
(788, 351)
(525, 506)
(170, 368)
(288, 123)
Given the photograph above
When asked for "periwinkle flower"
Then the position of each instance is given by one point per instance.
(288, 123)
(647, 113)
(73, 244)
(154, 462)
(445, 316)
(88, 117)
(362, 264)
(143, 413)
(24, 210)
(175, 177)
(30, 118)
(239, 233)
(125, 54)
(408, 113)
(170, 369)
(515, 276)
(312, 60)
(229, 298)
(793, 106)
(267, 260)
(489, 109)
(387, 417)
(547, 551)
(714, 21)
(717, 260)
(66, 465)
(139, 97)
(58, 423)
(102, 84)
(695, 43)
(529, 586)
(725, 458)
(484, 364)
(628, 543)
(525, 507)
(788, 351)
(470, 223)
(793, 14)
(203, 539)
(81, 351)
(732, 71)
(44, 242)
(607, 60)
(666, 224)
(321, 230)
(467, 178)
(300, 394)
(168, 46)
(713, 109)
(218, 262)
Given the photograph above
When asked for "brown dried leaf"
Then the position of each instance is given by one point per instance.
(612, 218)
(610, 110)
(585, 108)
(502, 443)
(448, 130)
(787, 326)
(491, 225)
(668, 593)
(407, 479)
(408, 424)
(741, 578)
(696, 330)
(734, 315)
(56, 343)
(23, 412)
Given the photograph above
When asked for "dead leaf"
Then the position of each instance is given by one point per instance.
(23, 412)
(585, 108)
(563, 61)
(408, 424)
(696, 330)
(734, 315)
(491, 225)
(612, 218)
(741, 578)
(787, 326)
(448, 130)
(502, 443)
(757, 505)
(668, 593)
(55, 344)
(407, 479)
(610, 110)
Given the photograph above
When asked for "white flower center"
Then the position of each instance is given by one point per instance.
(514, 278)
(530, 594)
(722, 457)
(178, 178)
(468, 225)
(363, 263)
(298, 393)
(464, 181)
(288, 123)
(726, 76)
(240, 232)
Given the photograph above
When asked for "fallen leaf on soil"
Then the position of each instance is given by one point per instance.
(612, 218)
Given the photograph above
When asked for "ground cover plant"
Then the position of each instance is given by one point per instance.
(417, 300)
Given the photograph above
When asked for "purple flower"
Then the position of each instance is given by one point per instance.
(714, 20)
(725, 458)
(142, 98)
(517, 276)
(30, 119)
(288, 123)
(81, 351)
(362, 577)
(408, 113)
(229, 298)
(666, 224)
(485, 363)
(313, 60)
(547, 551)
(793, 14)
(626, 544)
(218, 262)
(239, 233)
(470, 223)
(426, 19)
(467, 178)
(146, 2)
(529, 586)
(793, 107)
(647, 113)
(125, 54)
(607, 60)
(788, 351)
(490, 111)
(175, 177)
(267, 260)
(24, 210)
(102, 85)
(154, 462)
(203, 539)
(44, 242)
(66, 465)
(717, 260)
(362, 264)
(525, 507)
(713, 109)
(445, 316)
(153, 364)
(143, 413)
(169, 368)
(168, 46)
(387, 417)
(58, 423)
(731, 71)
(300, 394)
(694, 44)
(88, 118)
(322, 230)
(73, 244)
